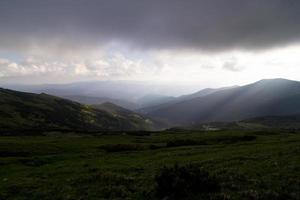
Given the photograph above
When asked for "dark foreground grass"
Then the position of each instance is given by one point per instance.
(239, 165)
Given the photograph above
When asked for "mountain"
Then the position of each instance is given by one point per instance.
(269, 97)
(114, 109)
(148, 108)
(153, 100)
(202, 93)
(131, 91)
(145, 101)
(28, 111)
(135, 118)
(90, 100)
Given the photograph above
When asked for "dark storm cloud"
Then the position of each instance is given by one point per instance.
(193, 24)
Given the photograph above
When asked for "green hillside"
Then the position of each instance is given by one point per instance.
(244, 165)
(113, 109)
(283, 122)
(27, 111)
(137, 120)
(290, 122)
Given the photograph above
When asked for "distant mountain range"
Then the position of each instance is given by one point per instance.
(128, 94)
(270, 97)
(145, 101)
(91, 100)
(28, 111)
(161, 103)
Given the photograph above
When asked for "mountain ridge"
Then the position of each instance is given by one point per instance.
(29, 111)
(265, 97)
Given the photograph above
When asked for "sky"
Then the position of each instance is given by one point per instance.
(205, 42)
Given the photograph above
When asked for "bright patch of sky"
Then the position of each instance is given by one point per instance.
(186, 67)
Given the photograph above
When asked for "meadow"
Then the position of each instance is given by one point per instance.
(151, 165)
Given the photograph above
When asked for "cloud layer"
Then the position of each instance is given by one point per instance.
(115, 67)
(209, 25)
(208, 41)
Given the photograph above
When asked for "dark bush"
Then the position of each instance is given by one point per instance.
(34, 161)
(122, 147)
(248, 138)
(14, 153)
(184, 142)
(235, 139)
(154, 146)
(185, 182)
(139, 133)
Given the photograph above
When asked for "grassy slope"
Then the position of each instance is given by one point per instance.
(135, 118)
(20, 110)
(290, 122)
(78, 167)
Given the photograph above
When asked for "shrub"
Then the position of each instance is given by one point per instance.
(154, 146)
(122, 147)
(185, 182)
(235, 139)
(184, 142)
(34, 161)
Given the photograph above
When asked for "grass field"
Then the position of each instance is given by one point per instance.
(245, 165)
